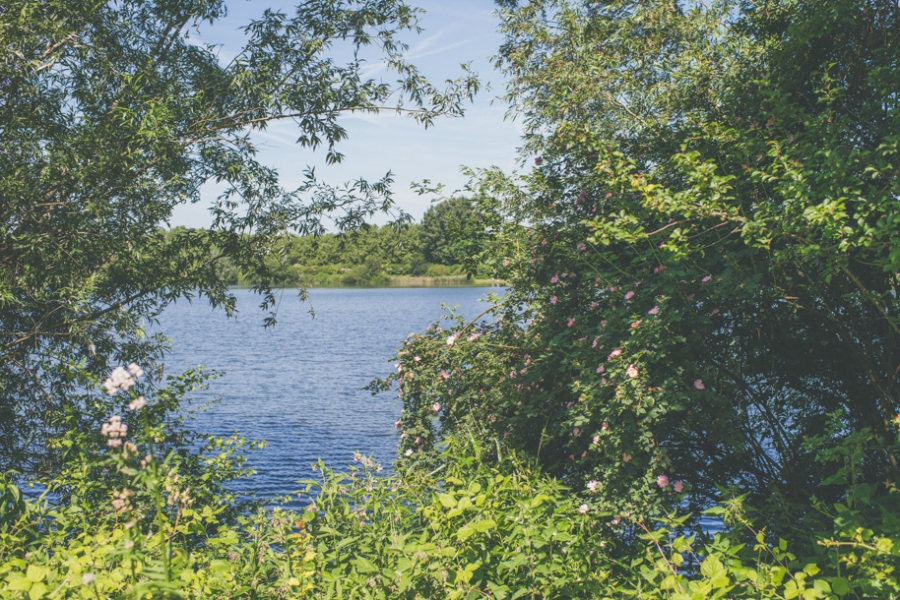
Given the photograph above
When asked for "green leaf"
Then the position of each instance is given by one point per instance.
(484, 525)
(36, 573)
(37, 591)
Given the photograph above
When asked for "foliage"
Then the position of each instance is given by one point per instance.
(442, 225)
(703, 262)
(113, 116)
(142, 513)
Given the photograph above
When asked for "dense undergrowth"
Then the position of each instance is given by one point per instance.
(141, 512)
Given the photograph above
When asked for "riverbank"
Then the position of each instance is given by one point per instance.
(409, 281)
(399, 281)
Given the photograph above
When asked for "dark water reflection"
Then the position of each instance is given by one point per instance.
(300, 384)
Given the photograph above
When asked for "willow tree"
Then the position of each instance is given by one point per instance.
(111, 116)
(703, 262)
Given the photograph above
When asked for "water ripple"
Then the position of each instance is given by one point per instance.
(299, 385)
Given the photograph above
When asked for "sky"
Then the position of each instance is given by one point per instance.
(455, 31)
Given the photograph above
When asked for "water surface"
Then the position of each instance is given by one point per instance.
(300, 384)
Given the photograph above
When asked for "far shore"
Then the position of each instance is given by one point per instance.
(404, 282)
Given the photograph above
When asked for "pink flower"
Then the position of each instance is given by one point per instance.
(699, 384)
(614, 354)
(600, 369)
(604, 426)
(615, 521)
(436, 407)
(512, 374)
(506, 263)
(662, 481)
(445, 374)
(706, 279)
(594, 343)
(554, 279)
(653, 310)
(592, 485)
(678, 486)
(635, 324)
(631, 372)
(571, 321)
(576, 432)
(626, 457)
(629, 294)
(583, 509)
(553, 299)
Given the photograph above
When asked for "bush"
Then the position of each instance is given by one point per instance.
(142, 513)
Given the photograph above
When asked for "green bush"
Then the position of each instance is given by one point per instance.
(141, 512)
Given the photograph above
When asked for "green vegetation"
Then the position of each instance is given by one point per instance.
(111, 117)
(370, 257)
(701, 314)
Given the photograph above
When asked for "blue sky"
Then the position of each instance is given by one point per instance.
(455, 31)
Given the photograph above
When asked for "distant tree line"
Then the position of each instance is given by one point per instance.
(372, 255)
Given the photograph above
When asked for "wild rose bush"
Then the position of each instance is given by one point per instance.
(701, 263)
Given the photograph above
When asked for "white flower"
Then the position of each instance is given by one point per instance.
(583, 508)
(592, 485)
(114, 429)
(119, 379)
(408, 452)
(135, 370)
(87, 579)
(138, 403)
(436, 407)
(452, 339)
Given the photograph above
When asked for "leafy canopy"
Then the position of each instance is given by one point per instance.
(703, 263)
(112, 116)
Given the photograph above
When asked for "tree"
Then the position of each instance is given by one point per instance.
(111, 117)
(442, 226)
(703, 264)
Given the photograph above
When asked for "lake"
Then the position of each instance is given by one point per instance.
(299, 385)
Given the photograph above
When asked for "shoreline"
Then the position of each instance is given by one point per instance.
(399, 282)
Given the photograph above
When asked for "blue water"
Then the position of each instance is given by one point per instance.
(299, 385)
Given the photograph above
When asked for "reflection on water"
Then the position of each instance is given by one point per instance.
(299, 385)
